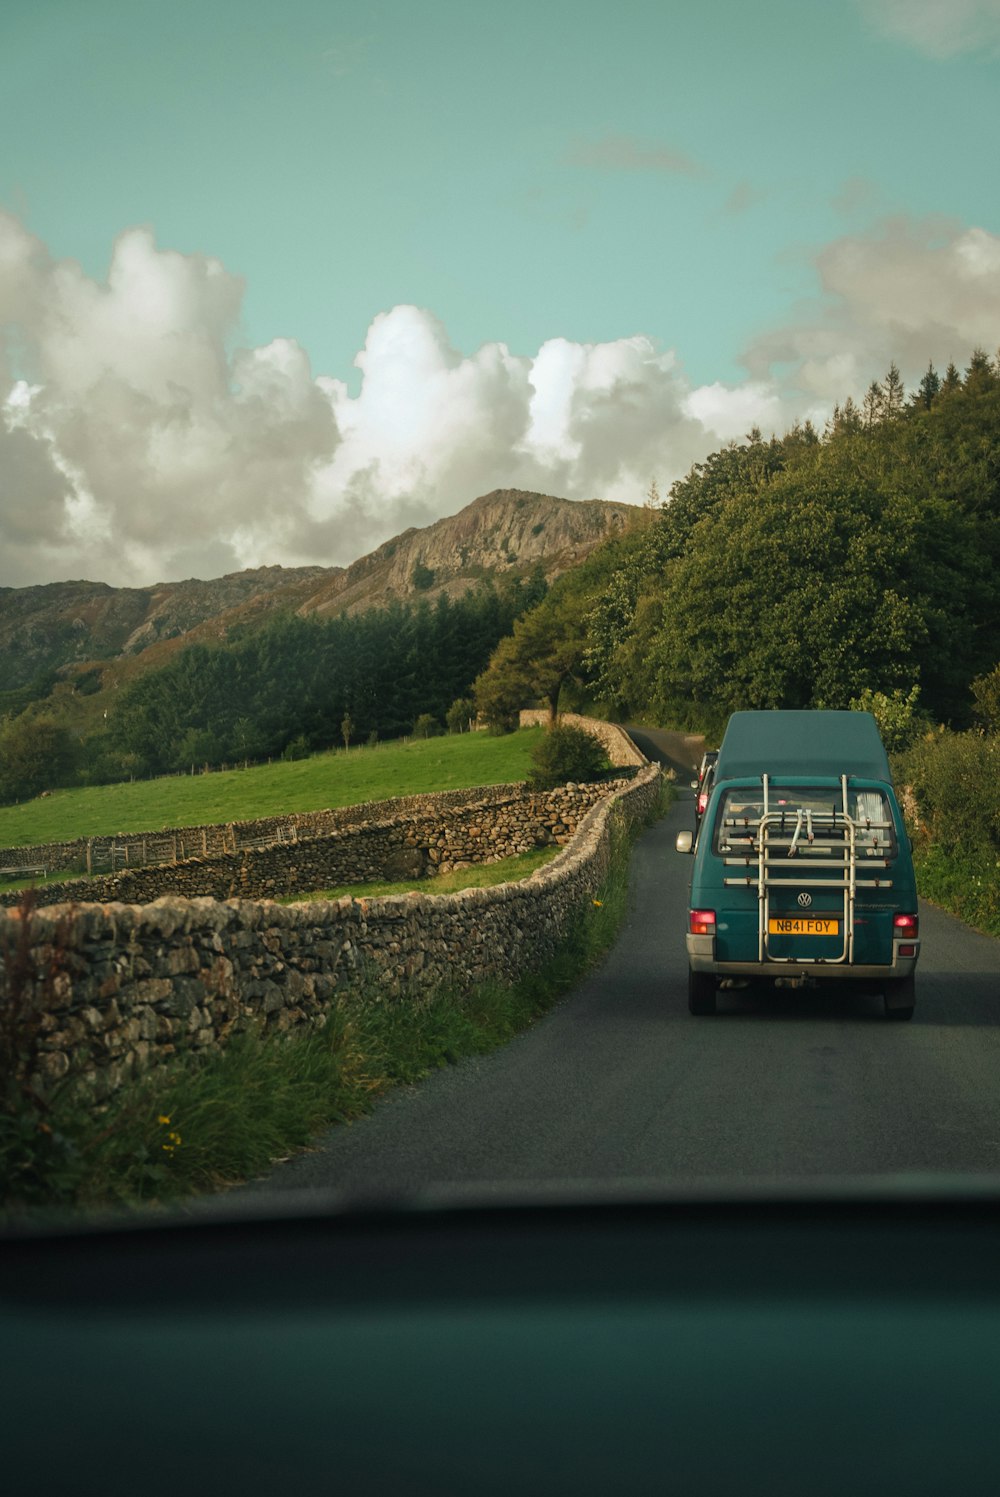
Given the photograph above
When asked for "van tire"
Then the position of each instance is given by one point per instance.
(701, 993)
(899, 998)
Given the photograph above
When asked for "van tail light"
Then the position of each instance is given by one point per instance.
(702, 802)
(904, 928)
(701, 922)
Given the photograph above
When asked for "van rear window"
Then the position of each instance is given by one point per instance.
(740, 810)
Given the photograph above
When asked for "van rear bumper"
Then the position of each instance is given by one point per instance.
(701, 957)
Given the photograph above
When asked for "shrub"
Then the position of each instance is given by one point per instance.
(460, 714)
(955, 780)
(567, 753)
(900, 721)
(426, 726)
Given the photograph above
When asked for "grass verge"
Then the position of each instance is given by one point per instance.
(965, 884)
(197, 1126)
(479, 876)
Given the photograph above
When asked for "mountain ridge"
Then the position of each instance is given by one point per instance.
(80, 639)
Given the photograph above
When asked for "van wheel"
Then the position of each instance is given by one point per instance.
(701, 993)
(899, 998)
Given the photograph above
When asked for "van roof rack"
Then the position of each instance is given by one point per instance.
(812, 850)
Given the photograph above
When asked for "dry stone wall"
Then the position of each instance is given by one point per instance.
(616, 743)
(178, 844)
(119, 988)
(430, 840)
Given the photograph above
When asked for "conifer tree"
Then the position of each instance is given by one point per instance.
(928, 389)
(871, 410)
(893, 393)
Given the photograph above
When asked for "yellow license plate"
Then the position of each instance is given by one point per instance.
(802, 925)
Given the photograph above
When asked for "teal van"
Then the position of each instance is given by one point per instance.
(802, 866)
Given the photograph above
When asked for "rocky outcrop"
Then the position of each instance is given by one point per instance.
(506, 530)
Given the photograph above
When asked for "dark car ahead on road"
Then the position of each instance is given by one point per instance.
(702, 786)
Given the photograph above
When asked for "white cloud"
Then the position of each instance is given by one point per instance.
(938, 28)
(911, 290)
(153, 436)
(136, 444)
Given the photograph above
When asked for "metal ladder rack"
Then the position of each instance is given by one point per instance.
(814, 850)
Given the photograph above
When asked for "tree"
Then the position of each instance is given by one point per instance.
(893, 393)
(346, 729)
(980, 376)
(986, 696)
(871, 410)
(35, 753)
(460, 714)
(928, 389)
(544, 653)
(426, 726)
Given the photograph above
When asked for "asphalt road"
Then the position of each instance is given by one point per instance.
(619, 1083)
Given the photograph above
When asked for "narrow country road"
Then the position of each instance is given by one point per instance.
(620, 1083)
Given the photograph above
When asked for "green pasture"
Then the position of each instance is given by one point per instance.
(338, 778)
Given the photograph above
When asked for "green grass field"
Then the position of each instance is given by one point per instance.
(338, 778)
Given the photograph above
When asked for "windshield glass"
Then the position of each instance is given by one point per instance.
(420, 425)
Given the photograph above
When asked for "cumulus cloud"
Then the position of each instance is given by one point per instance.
(147, 437)
(938, 28)
(910, 290)
(138, 442)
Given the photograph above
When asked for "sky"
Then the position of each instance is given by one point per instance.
(279, 280)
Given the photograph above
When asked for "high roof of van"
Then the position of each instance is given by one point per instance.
(825, 744)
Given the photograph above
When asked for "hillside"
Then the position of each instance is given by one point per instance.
(88, 638)
(504, 531)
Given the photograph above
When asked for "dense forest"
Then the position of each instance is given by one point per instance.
(288, 687)
(811, 570)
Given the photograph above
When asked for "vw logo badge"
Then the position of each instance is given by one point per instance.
(805, 900)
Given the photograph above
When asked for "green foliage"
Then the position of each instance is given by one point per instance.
(302, 678)
(567, 753)
(426, 726)
(35, 753)
(986, 699)
(900, 721)
(544, 656)
(955, 779)
(966, 883)
(460, 715)
(796, 572)
(89, 682)
(422, 577)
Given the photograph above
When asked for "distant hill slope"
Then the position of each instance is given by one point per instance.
(97, 637)
(501, 532)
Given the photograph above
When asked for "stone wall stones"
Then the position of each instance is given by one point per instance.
(616, 743)
(430, 840)
(121, 988)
